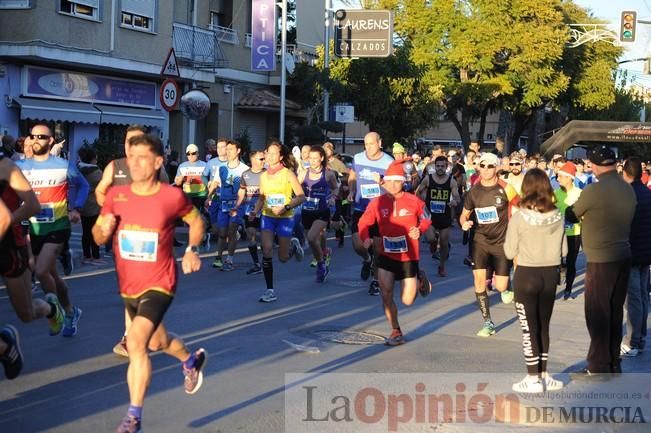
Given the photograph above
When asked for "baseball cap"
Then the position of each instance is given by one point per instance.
(191, 148)
(489, 158)
(602, 155)
(398, 148)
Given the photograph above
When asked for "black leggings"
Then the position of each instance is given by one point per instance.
(573, 246)
(535, 291)
(88, 245)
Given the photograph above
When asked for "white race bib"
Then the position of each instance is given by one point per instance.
(275, 200)
(138, 246)
(370, 190)
(396, 244)
(487, 215)
(437, 206)
(311, 203)
(46, 215)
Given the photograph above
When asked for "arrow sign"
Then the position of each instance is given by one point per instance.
(170, 67)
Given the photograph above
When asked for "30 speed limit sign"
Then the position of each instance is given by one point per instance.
(169, 94)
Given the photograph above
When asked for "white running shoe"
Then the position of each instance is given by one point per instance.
(268, 296)
(530, 384)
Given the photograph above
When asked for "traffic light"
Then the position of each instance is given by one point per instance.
(627, 28)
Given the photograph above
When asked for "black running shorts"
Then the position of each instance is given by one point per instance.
(56, 237)
(151, 305)
(400, 270)
(491, 256)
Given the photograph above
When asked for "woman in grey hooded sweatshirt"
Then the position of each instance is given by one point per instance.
(535, 239)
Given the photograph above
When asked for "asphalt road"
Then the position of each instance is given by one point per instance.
(72, 385)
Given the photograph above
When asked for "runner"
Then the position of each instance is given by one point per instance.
(62, 191)
(229, 176)
(341, 216)
(515, 176)
(190, 176)
(490, 200)
(535, 238)
(17, 194)
(277, 185)
(248, 196)
(363, 181)
(212, 173)
(321, 188)
(441, 195)
(566, 195)
(117, 173)
(400, 222)
(143, 216)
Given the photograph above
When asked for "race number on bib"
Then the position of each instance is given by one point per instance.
(487, 215)
(437, 206)
(311, 203)
(396, 244)
(370, 190)
(138, 246)
(250, 207)
(275, 200)
(46, 215)
(227, 205)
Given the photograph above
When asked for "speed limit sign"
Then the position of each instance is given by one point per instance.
(169, 94)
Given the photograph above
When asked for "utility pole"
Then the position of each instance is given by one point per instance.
(283, 72)
(326, 57)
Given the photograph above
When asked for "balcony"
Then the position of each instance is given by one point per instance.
(225, 34)
(197, 47)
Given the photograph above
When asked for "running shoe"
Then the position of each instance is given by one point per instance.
(70, 322)
(56, 321)
(507, 296)
(218, 263)
(567, 294)
(530, 384)
(550, 383)
(322, 271)
(395, 339)
(268, 296)
(366, 270)
(194, 376)
(468, 261)
(129, 424)
(627, 351)
(374, 288)
(313, 263)
(442, 272)
(424, 285)
(297, 250)
(227, 266)
(487, 330)
(255, 269)
(120, 348)
(12, 359)
(327, 256)
(67, 262)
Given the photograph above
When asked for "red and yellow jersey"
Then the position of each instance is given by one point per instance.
(144, 237)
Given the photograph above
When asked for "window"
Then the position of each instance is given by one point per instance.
(138, 14)
(80, 8)
(15, 4)
(216, 19)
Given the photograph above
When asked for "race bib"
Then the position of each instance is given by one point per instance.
(396, 244)
(370, 190)
(46, 215)
(227, 205)
(437, 206)
(275, 200)
(250, 207)
(487, 215)
(311, 203)
(138, 246)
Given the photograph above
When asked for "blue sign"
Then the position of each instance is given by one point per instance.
(263, 36)
(75, 86)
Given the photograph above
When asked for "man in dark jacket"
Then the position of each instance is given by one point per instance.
(637, 298)
(606, 210)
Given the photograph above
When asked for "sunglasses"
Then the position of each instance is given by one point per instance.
(39, 136)
(488, 166)
(514, 164)
(191, 153)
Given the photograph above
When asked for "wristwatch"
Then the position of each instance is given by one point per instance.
(192, 249)
(287, 208)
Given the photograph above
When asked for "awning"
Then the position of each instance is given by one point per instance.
(129, 116)
(63, 111)
(578, 131)
(265, 100)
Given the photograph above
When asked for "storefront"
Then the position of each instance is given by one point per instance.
(80, 107)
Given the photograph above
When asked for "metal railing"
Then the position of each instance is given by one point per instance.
(197, 47)
(225, 34)
(299, 54)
